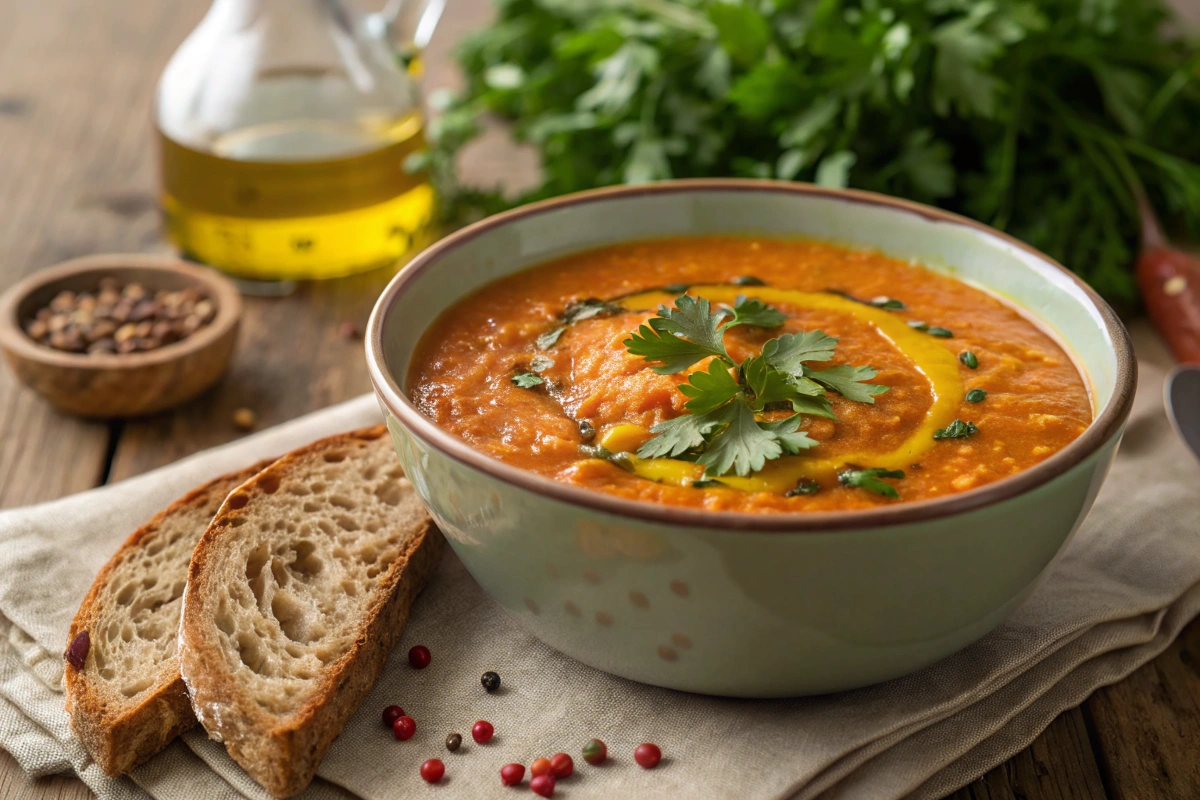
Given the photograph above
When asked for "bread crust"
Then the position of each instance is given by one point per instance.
(282, 752)
(121, 738)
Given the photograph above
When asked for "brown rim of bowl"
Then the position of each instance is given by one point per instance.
(1106, 424)
(220, 289)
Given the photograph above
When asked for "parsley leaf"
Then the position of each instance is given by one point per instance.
(550, 338)
(742, 447)
(848, 382)
(787, 432)
(789, 351)
(711, 389)
(805, 486)
(956, 430)
(589, 308)
(674, 437)
(527, 380)
(679, 337)
(869, 479)
(768, 384)
(818, 406)
(749, 311)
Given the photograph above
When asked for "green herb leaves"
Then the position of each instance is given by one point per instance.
(975, 396)
(869, 479)
(754, 312)
(969, 360)
(526, 380)
(956, 430)
(1033, 117)
(722, 429)
(679, 337)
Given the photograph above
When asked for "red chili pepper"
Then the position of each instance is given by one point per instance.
(1169, 280)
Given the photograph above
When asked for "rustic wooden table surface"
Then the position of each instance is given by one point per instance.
(77, 177)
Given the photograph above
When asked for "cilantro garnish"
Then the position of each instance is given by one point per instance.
(527, 380)
(550, 338)
(932, 330)
(956, 430)
(754, 312)
(883, 301)
(586, 309)
(805, 486)
(540, 363)
(869, 479)
(722, 429)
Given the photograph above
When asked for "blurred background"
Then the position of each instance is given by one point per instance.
(307, 149)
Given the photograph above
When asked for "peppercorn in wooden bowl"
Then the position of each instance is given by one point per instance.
(119, 335)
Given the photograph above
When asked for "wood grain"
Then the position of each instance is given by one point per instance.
(1059, 765)
(1147, 727)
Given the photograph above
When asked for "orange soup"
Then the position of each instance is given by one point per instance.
(748, 374)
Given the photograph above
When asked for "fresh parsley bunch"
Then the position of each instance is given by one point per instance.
(722, 429)
(1035, 117)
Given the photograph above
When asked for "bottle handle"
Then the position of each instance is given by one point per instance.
(407, 23)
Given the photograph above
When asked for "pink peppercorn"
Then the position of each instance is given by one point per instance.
(419, 657)
(482, 731)
(647, 755)
(561, 765)
(391, 714)
(543, 785)
(433, 770)
(511, 774)
(404, 728)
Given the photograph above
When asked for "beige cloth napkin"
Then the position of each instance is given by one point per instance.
(1128, 583)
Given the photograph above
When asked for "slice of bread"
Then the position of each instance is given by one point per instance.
(297, 593)
(128, 702)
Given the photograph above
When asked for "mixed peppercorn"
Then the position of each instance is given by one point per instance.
(119, 319)
(544, 772)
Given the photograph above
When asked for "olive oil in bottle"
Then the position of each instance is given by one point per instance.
(298, 200)
(285, 129)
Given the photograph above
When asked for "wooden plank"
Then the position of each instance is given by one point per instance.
(1059, 765)
(16, 785)
(63, 179)
(1147, 727)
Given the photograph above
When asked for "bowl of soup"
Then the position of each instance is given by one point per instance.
(750, 438)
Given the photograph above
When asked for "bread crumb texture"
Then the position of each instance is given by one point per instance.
(301, 565)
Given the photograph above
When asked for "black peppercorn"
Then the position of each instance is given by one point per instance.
(490, 681)
(453, 741)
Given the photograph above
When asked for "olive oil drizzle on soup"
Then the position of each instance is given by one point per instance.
(535, 370)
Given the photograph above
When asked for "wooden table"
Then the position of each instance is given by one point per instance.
(77, 177)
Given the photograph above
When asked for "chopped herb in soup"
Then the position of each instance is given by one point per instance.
(750, 375)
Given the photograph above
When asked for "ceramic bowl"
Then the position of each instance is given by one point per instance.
(129, 385)
(739, 604)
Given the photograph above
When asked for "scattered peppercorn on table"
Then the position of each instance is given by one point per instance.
(76, 177)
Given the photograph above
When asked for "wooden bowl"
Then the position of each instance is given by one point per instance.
(110, 385)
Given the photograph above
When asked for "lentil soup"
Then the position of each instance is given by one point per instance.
(747, 374)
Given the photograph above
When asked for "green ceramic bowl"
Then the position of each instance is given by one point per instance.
(739, 604)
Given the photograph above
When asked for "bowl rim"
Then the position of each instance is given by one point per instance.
(14, 339)
(1103, 427)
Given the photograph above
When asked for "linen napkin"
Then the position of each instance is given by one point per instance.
(1128, 583)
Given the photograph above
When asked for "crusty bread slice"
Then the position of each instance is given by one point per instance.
(297, 593)
(128, 702)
